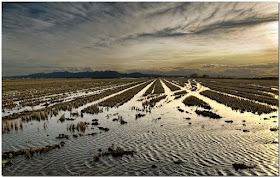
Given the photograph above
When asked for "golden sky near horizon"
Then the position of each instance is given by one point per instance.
(215, 38)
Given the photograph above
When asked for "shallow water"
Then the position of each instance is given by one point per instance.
(204, 147)
(69, 96)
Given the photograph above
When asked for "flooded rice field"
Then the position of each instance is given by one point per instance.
(161, 126)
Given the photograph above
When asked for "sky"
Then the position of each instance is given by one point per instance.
(181, 38)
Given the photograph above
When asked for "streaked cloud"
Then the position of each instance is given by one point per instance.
(137, 36)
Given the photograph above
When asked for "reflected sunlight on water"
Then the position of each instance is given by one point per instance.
(204, 147)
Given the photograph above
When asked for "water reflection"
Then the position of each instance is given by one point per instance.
(176, 147)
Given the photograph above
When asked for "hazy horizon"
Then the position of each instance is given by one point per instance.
(148, 72)
(181, 38)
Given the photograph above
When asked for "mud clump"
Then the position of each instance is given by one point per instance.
(29, 152)
(242, 166)
(70, 119)
(123, 122)
(120, 152)
(103, 128)
(178, 162)
(139, 115)
(9, 162)
(112, 151)
(274, 129)
(92, 134)
(60, 136)
(181, 110)
(62, 118)
(94, 122)
(154, 166)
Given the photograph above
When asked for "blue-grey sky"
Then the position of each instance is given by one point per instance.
(169, 38)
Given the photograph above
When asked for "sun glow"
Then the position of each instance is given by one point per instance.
(273, 26)
(272, 32)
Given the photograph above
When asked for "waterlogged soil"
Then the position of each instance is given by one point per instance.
(164, 141)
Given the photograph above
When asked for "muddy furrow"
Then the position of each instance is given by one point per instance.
(109, 97)
(245, 94)
(213, 103)
(203, 88)
(242, 98)
(77, 102)
(66, 99)
(237, 103)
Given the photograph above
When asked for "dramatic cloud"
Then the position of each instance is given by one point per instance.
(179, 38)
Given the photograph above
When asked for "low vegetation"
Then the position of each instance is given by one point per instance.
(152, 102)
(245, 93)
(33, 92)
(172, 87)
(208, 114)
(93, 109)
(193, 85)
(194, 101)
(122, 98)
(80, 126)
(178, 81)
(150, 89)
(237, 103)
(7, 162)
(158, 87)
(120, 119)
(179, 94)
(183, 92)
(29, 152)
(115, 152)
(255, 86)
(8, 126)
(65, 106)
(56, 107)
(62, 118)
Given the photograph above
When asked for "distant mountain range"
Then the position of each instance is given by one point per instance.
(95, 74)
(115, 74)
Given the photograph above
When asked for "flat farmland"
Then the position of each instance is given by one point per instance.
(143, 126)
